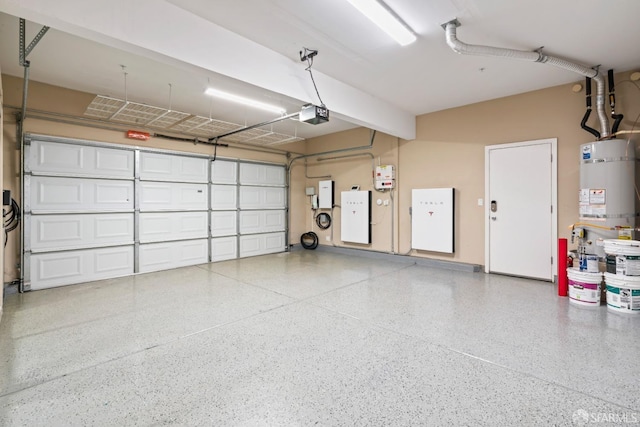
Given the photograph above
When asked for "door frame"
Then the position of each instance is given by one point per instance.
(554, 198)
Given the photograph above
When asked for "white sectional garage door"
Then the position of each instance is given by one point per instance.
(248, 209)
(262, 209)
(95, 210)
(224, 210)
(173, 198)
(79, 213)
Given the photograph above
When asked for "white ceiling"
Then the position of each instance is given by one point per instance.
(251, 47)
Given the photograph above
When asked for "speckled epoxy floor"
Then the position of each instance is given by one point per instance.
(314, 338)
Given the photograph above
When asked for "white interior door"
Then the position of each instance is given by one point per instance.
(520, 207)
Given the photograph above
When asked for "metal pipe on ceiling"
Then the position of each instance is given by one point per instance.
(533, 56)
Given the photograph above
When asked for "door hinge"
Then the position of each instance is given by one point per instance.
(551, 208)
(551, 260)
(552, 158)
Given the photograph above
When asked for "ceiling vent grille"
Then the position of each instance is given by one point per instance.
(120, 111)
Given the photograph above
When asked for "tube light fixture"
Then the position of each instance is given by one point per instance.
(244, 101)
(388, 22)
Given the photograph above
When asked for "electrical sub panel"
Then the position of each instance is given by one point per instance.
(356, 217)
(385, 177)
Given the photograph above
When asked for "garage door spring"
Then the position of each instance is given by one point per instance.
(309, 240)
(323, 220)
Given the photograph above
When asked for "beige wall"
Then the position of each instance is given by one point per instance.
(449, 152)
(50, 98)
(357, 169)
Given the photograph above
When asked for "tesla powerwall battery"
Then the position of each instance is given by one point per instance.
(325, 194)
(432, 219)
(356, 217)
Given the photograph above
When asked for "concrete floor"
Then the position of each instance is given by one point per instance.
(314, 338)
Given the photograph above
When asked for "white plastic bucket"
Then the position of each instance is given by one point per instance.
(623, 293)
(627, 255)
(584, 288)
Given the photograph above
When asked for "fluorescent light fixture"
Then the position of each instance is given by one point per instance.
(244, 101)
(380, 15)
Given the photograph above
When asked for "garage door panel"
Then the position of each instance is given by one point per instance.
(53, 157)
(274, 220)
(153, 166)
(111, 263)
(250, 245)
(58, 192)
(224, 172)
(260, 244)
(165, 226)
(59, 266)
(55, 231)
(274, 197)
(250, 222)
(250, 197)
(110, 162)
(224, 197)
(192, 169)
(262, 197)
(66, 268)
(46, 157)
(259, 174)
(253, 222)
(118, 226)
(54, 194)
(224, 223)
(193, 195)
(59, 232)
(274, 175)
(168, 167)
(166, 255)
(157, 196)
(224, 248)
(194, 224)
(250, 173)
(274, 242)
(110, 193)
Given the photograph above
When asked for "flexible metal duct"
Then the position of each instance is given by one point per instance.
(469, 49)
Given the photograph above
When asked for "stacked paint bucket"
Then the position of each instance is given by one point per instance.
(585, 282)
(622, 277)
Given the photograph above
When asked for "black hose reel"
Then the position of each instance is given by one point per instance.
(323, 220)
(309, 240)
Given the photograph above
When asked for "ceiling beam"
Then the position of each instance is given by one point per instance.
(162, 31)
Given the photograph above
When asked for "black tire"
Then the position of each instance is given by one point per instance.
(309, 240)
